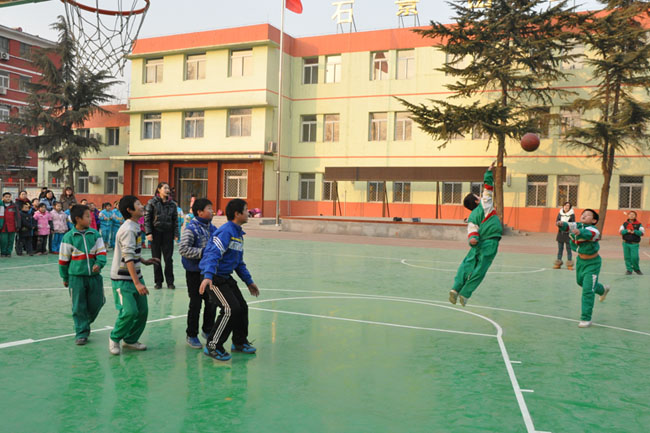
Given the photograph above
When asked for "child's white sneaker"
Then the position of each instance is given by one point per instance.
(604, 295)
(584, 324)
(135, 346)
(453, 296)
(114, 347)
(462, 300)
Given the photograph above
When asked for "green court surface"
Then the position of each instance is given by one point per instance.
(350, 338)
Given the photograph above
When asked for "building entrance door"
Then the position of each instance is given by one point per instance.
(190, 181)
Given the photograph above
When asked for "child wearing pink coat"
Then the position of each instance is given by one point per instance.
(43, 218)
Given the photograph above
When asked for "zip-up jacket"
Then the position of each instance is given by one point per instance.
(43, 222)
(116, 219)
(224, 254)
(59, 221)
(637, 231)
(9, 217)
(193, 241)
(27, 223)
(585, 242)
(483, 222)
(128, 248)
(79, 252)
(105, 219)
(161, 216)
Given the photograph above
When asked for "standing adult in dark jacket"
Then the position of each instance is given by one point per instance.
(161, 228)
(67, 198)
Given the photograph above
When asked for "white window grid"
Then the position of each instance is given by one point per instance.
(405, 64)
(235, 183)
(329, 190)
(239, 122)
(82, 182)
(4, 44)
(331, 127)
(630, 191)
(476, 188)
(308, 128)
(5, 111)
(195, 67)
(378, 126)
(452, 192)
(110, 185)
(401, 192)
(307, 188)
(333, 69)
(569, 119)
(194, 124)
(310, 70)
(148, 182)
(25, 50)
(375, 191)
(153, 71)
(112, 136)
(4, 79)
(380, 65)
(567, 189)
(536, 188)
(151, 126)
(403, 126)
(241, 63)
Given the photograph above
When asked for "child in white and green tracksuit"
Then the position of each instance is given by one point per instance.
(484, 233)
(129, 290)
(82, 255)
(584, 241)
(631, 230)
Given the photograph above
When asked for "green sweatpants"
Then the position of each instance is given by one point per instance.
(474, 267)
(6, 243)
(133, 311)
(631, 255)
(587, 277)
(87, 293)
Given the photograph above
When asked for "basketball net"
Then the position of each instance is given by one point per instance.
(105, 36)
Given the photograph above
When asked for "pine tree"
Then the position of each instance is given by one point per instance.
(66, 96)
(616, 42)
(512, 49)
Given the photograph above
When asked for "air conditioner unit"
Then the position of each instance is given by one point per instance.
(93, 179)
(271, 147)
(4, 56)
(3, 90)
(120, 179)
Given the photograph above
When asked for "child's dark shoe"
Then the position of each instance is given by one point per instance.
(243, 348)
(218, 354)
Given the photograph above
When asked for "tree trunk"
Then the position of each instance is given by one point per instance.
(607, 166)
(70, 180)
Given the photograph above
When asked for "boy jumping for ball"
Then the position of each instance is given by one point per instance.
(584, 241)
(484, 233)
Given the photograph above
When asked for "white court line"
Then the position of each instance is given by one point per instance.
(29, 266)
(646, 254)
(515, 362)
(535, 270)
(527, 390)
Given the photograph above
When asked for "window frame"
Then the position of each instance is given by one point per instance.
(313, 70)
(562, 181)
(239, 115)
(456, 191)
(154, 70)
(5, 77)
(82, 182)
(239, 179)
(307, 182)
(22, 79)
(5, 109)
(407, 124)
(379, 191)
(404, 190)
(330, 196)
(631, 186)
(112, 136)
(335, 126)
(196, 121)
(336, 73)
(537, 185)
(148, 118)
(146, 174)
(243, 57)
(4, 44)
(374, 62)
(200, 62)
(409, 66)
(111, 180)
(375, 132)
(311, 122)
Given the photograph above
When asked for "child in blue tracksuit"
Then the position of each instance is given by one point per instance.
(105, 225)
(223, 255)
(193, 241)
(116, 222)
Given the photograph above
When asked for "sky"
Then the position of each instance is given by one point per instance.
(167, 17)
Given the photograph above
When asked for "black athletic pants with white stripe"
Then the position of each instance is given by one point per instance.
(233, 313)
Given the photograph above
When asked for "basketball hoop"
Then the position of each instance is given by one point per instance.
(105, 36)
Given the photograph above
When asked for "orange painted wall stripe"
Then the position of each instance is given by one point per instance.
(450, 156)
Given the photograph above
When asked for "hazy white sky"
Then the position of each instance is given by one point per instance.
(182, 16)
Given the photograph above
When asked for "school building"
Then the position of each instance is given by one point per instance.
(203, 116)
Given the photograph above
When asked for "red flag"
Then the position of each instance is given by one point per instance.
(294, 6)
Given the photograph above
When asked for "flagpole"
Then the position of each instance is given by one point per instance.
(278, 158)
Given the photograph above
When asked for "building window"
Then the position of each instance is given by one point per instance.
(629, 192)
(4, 79)
(568, 119)
(23, 83)
(329, 190)
(379, 66)
(567, 190)
(536, 190)
(4, 45)
(83, 132)
(331, 127)
(540, 119)
(403, 126)
(148, 182)
(110, 182)
(151, 126)
(333, 69)
(194, 124)
(82, 182)
(195, 67)
(401, 192)
(476, 188)
(378, 126)
(241, 63)
(153, 71)
(239, 122)
(307, 186)
(310, 70)
(5, 111)
(452, 193)
(375, 191)
(25, 50)
(479, 133)
(54, 179)
(308, 128)
(405, 64)
(235, 183)
(112, 136)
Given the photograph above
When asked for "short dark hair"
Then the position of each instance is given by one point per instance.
(567, 203)
(470, 201)
(593, 212)
(127, 202)
(199, 205)
(25, 203)
(6, 193)
(40, 205)
(235, 205)
(78, 211)
(106, 203)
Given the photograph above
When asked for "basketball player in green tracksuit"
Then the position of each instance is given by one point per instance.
(484, 233)
(584, 241)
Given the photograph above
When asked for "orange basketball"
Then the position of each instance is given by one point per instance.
(530, 142)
